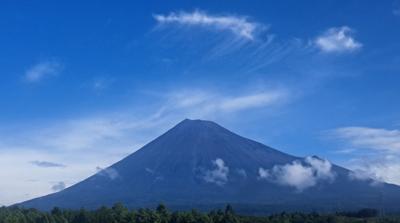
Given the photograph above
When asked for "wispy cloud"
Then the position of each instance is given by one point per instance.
(207, 102)
(245, 46)
(371, 138)
(41, 70)
(298, 175)
(219, 175)
(337, 39)
(376, 152)
(237, 25)
(46, 164)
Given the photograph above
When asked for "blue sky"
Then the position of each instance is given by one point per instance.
(83, 84)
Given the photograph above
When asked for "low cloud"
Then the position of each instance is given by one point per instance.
(298, 175)
(58, 186)
(360, 175)
(375, 152)
(41, 70)
(376, 168)
(219, 175)
(337, 39)
(237, 25)
(46, 164)
(109, 172)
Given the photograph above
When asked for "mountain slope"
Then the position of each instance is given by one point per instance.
(201, 164)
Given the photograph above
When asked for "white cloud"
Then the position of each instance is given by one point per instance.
(298, 175)
(42, 70)
(371, 138)
(239, 26)
(205, 103)
(379, 149)
(263, 173)
(360, 175)
(294, 174)
(376, 168)
(219, 175)
(321, 167)
(337, 39)
(251, 101)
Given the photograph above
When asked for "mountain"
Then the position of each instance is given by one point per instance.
(199, 164)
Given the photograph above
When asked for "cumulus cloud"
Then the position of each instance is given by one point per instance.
(322, 168)
(239, 26)
(219, 175)
(46, 164)
(41, 70)
(298, 175)
(337, 39)
(109, 172)
(58, 186)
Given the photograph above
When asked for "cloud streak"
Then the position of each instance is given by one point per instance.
(42, 70)
(371, 138)
(46, 164)
(337, 39)
(206, 102)
(237, 25)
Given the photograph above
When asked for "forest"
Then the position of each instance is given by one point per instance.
(120, 214)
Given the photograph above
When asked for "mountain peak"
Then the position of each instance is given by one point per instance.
(197, 124)
(200, 163)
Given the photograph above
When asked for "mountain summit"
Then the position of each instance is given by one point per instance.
(201, 164)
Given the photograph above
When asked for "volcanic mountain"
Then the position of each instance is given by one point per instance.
(199, 164)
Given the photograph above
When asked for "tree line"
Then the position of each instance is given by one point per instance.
(120, 214)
